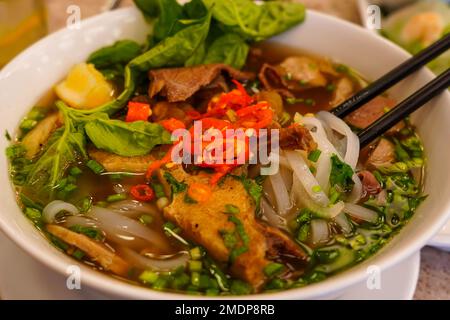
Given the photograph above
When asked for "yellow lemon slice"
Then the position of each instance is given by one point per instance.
(85, 88)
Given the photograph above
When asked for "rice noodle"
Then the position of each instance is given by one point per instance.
(53, 208)
(283, 203)
(361, 213)
(273, 218)
(337, 124)
(299, 196)
(143, 262)
(81, 221)
(357, 190)
(307, 179)
(116, 224)
(342, 221)
(133, 208)
(320, 232)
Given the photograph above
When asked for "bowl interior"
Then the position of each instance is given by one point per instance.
(36, 70)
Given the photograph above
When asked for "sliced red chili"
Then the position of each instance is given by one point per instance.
(138, 111)
(142, 192)
(172, 124)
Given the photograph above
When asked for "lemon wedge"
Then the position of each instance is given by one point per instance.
(85, 88)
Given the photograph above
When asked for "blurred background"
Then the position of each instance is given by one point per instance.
(411, 24)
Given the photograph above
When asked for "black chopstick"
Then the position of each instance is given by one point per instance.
(392, 77)
(404, 108)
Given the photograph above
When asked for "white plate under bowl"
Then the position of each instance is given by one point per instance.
(38, 68)
(22, 277)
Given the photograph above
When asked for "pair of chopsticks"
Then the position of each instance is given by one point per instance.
(410, 104)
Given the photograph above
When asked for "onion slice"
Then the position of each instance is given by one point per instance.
(53, 208)
(320, 232)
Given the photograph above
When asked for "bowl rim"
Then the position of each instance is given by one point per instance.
(119, 288)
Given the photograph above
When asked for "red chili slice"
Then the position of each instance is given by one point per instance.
(142, 192)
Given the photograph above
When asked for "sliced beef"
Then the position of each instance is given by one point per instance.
(383, 155)
(370, 112)
(296, 137)
(179, 84)
(344, 90)
(371, 186)
(204, 223)
(296, 73)
(115, 163)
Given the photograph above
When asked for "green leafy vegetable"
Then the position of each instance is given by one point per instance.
(64, 147)
(253, 189)
(341, 175)
(120, 52)
(88, 231)
(230, 49)
(256, 22)
(175, 50)
(176, 186)
(126, 139)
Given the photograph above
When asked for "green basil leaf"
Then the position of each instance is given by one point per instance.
(126, 139)
(175, 50)
(256, 22)
(120, 52)
(65, 146)
(230, 49)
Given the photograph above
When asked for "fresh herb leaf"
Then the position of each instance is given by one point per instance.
(126, 139)
(341, 175)
(64, 147)
(120, 53)
(256, 22)
(88, 231)
(175, 50)
(176, 186)
(230, 49)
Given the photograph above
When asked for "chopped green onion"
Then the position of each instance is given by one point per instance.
(148, 277)
(276, 284)
(284, 119)
(287, 76)
(212, 292)
(159, 190)
(146, 219)
(189, 200)
(231, 209)
(195, 279)
(195, 265)
(316, 189)
(28, 124)
(295, 100)
(239, 287)
(90, 232)
(102, 204)
(96, 167)
(78, 254)
(75, 171)
(116, 197)
(303, 232)
(331, 87)
(70, 187)
(7, 135)
(86, 204)
(181, 281)
(303, 82)
(273, 269)
(160, 283)
(196, 253)
(33, 214)
(310, 102)
(314, 155)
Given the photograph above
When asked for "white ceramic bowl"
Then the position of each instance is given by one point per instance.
(32, 73)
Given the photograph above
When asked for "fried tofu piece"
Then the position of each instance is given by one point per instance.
(205, 223)
(39, 135)
(115, 163)
(96, 251)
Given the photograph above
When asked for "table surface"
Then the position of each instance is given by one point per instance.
(434, 278)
